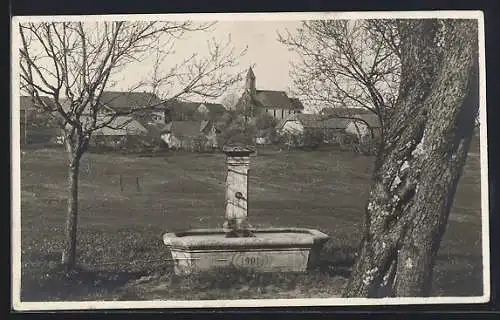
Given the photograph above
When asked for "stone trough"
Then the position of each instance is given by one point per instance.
(237, 244)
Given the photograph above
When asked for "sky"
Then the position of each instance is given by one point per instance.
(270, 58)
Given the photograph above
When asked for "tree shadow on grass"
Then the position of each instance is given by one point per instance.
(55, 284)
(337, 259)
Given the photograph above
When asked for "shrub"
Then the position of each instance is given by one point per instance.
(239, 132)
(265, 121)
(313, 138)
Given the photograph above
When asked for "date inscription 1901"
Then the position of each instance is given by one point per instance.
(251, 260)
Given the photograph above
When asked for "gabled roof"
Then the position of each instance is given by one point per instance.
(26, 102)
(332, 121)
(185, 128)
(276, 99)
(316, 121)
(122, 125)
(184, 106)
(189, 108)
(371, 119)
(124, 101)
(214, 108)
(343, 112)
(205, 125)
(116, 100)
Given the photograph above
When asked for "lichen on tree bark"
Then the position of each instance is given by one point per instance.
(420, 160)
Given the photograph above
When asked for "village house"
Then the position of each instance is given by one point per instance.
(177, 110)
(365, 127)
(118, 132)
(141, 126)
(144, 124)
(275, 103)
(35, 125)
(211, 111)
(130, 126)
(154, 110)
(333, 129)
(191, 135)
(344, 111)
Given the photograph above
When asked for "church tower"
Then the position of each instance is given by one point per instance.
(250, 82)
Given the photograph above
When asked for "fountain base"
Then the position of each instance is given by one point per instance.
(267, 250)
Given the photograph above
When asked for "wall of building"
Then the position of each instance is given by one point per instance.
(279, 113)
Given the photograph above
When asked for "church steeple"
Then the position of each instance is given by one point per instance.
(250, 82)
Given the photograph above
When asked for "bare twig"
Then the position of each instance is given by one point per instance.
(346, 63)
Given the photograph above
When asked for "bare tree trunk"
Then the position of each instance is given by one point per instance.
(75, 148)
(69, 251)
(420, 162)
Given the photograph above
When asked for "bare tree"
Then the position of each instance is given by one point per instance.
(346, 63)
(230, 100)
(74, 62)
(418, 168)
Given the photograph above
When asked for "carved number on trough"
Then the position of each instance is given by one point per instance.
(251, 261)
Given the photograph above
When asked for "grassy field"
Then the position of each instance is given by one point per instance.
(121, 253)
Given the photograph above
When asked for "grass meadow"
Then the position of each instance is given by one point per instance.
(120, 250)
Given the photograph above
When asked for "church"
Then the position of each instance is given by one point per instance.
(275, 103)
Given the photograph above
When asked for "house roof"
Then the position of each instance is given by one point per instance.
(371, 119)
(189, 108)
(312, 120)
(205, 125)
(214, 108)
(26, 102)
(184, 106)
(121, 125)
(116, 100)
(343, 112)
(276, 99)
(316, 121)
(122, 101)
(185, 128)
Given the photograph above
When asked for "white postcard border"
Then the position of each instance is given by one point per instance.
(17, 304)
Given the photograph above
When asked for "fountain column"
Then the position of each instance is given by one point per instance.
(238, 164)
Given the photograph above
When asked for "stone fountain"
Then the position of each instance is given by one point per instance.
(237, 244)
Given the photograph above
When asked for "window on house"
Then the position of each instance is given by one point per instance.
(282, 113)
(274, 113)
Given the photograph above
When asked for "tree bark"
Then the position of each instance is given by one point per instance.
(69, 250)
(421, 159)
(75, 148)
